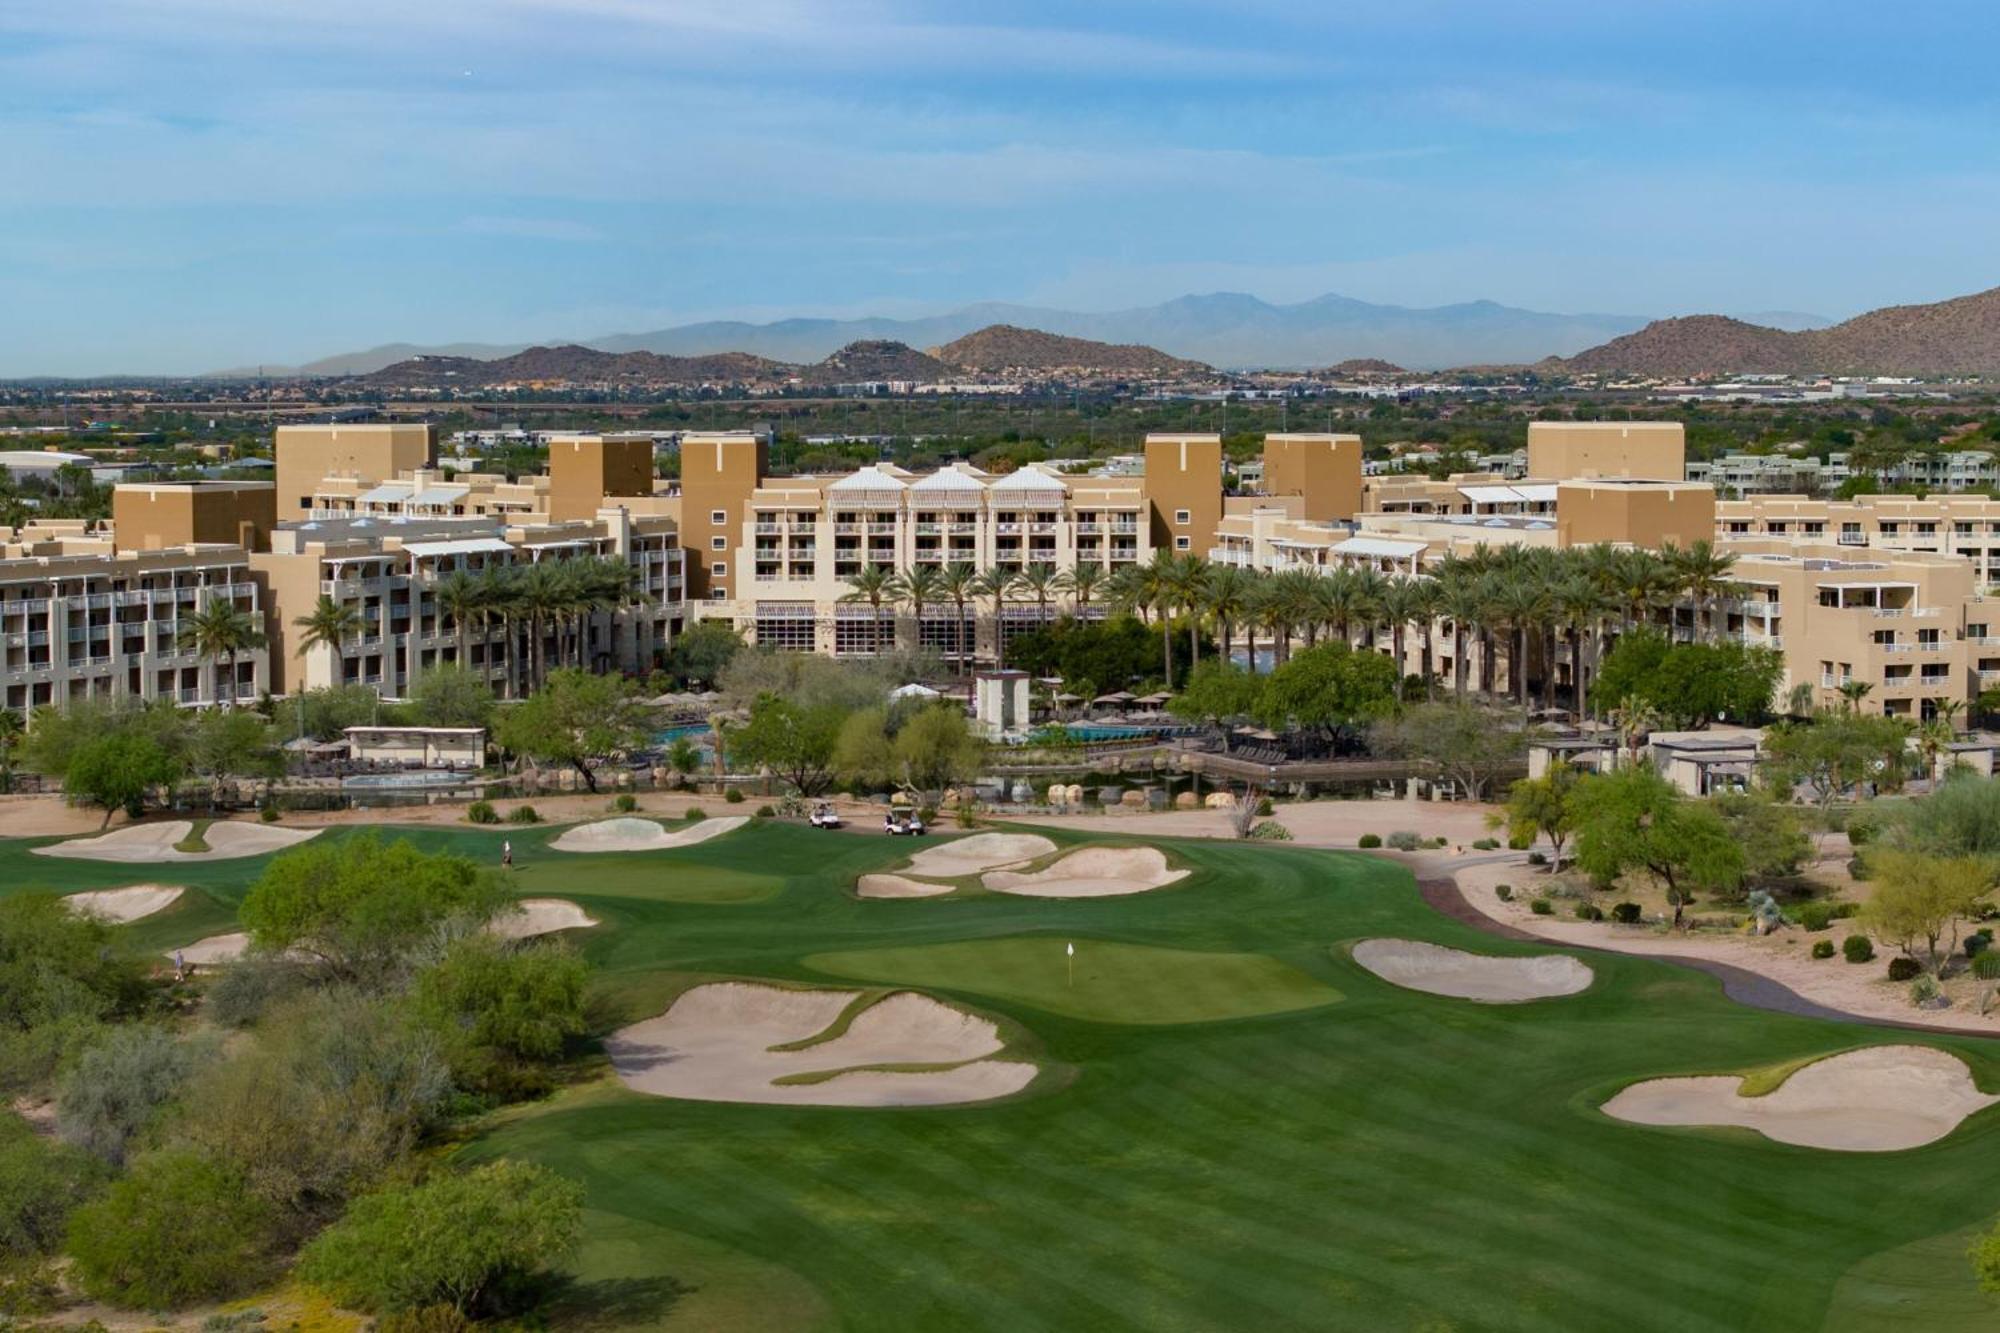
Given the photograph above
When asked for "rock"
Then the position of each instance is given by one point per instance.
(1134, 799)
(1187, 800)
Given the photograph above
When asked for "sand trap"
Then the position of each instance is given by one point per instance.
(629, 834)
(539, 916)
(121, 905)
(715, 1045)
(1874, 1100)
(1093, 872)
(981, 851)
(227, 840)
(1437, 970)
(897, 886)
(215, 949)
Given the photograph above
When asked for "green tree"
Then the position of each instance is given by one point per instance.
(359, 905)
(41, 1183)
(1634, 819)
(450, 696)
(220, 631)
(225, 743)
(1458, 742)
(62, 975)
(795, 742)
(576, 717)
(699, 655)
(1691, 683)
(1218, 693)
(119, 772)
(456, 1239)
(119, 1086)
(1960, 818)
(1985, 1256)
(931, 751)
(329, 624)
(1919, 897)
(1834, 753)
(326, 714)
(501, 1013)
(1774, 843)
(1539, 808)
(180, 1228)
(1327, 686)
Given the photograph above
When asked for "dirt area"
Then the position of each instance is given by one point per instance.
(722, 1043)
(1093, 872)
(50, 817)
(119, 906)
(1434, 969)
(1880, 1099)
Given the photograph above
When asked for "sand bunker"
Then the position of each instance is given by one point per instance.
(897, 886)
(215, 949)
(227, 840)
(1093, 872)
(1874, 1100)
(121, 905)
(981, 851)
(539, 916)
(1437, 970)
(716, 1045)
(630, 834)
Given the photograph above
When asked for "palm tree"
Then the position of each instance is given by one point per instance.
(959, 584)
(1084, 582)
(1643, 585)
(1634, 718)
(1854, 691)
(1578, 607)
(1703, 575)
(1428, 606)
(920, 586)
(463, 598)
(1462, 604)
(1932, 739)
(1039, 583)
(1294, 591)
(329, 624)
(1226, 600)
(1185, 582)
(543, 597)
(996, 583)
(874, 584)
(219, 631)
(1399, 602)
(500, 595)
(1517, 606)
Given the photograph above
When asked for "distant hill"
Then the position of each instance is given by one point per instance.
(1366, 365)
(1004, 348)
(1955, 337)
(575, 365)
(1221, 329)
(873, 359)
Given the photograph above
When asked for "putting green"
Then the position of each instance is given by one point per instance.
(1113, 982)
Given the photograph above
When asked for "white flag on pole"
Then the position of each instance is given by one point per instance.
(1071, 949)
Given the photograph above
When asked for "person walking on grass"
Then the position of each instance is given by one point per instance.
(507, 854)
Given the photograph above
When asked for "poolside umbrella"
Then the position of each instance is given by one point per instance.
(914, 691)
(1115, 697)
(1155, 699)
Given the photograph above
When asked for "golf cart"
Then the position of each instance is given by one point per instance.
(896, 824)
(823, 816)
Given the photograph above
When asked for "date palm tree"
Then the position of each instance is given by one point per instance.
(1185, 582)
(997, 583)
(329, 624)
(1463, 603)
(1578, 606)
(543, 593)
(1426, 605)
(1226, 600)
(959, 585)
(218, 632)
(1041, 583)
(873, 584)
(463, 598)
(1702, 574)
(919, 586)
(1085, 582)
(1398, 603)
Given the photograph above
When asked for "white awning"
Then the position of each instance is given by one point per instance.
(441, 495)
(1491, 495)
(460, 546)
(1378, 546)
(387, 493)
(1537, 492)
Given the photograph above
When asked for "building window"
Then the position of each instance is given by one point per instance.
(718, 516)
(1183, 516)
(1183, 543)
(718, 543)
(718, 570)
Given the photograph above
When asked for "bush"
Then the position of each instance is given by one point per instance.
(695, 814)
(1625, 913)
(500, 1014)
(1860, 832)
(245, 990)
(1404, 841)
(767, 812)
(1542, 907)
(1486, 844)
(463, 1239)
(1822, 949)
(1814, 916)
(40, 1183)
(1264, 806)
(1842, 911)
(734, 796)
(269, 814)
(119, 1086)
(1587, 912)
(1504, 892)
(1923, 991)
(1369, 840)
(1271, 831)
(1857, 868)
(481, 812)
(1987, 966)
(523, 814)
(1976, 944)
(625, 803)
(1904, 968)
(1857, 949)
(1538, 858)
(180, 1228)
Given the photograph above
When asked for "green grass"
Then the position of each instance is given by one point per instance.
(1392, 1161)
(1113, 983)
(196, 841)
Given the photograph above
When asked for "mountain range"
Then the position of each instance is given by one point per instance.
(1226, 329)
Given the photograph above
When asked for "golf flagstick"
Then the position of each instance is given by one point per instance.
(1070, 949)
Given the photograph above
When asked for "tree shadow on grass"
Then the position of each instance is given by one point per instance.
(615, 1302)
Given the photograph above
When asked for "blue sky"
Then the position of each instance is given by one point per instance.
(199, 183)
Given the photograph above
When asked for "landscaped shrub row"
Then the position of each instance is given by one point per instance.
(1485, 844)
(1857, 949)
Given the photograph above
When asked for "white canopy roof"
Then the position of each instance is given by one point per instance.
(1537, 492)
(386, 492)
(870, 478)
(957, 477)
(458, 546)
(1028, 479)
(1378, 546)
(440, 495)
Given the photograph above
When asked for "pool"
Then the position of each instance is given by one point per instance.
(405, 781)
(680, 731)
(1091, 731)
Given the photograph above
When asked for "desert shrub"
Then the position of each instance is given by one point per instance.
(1504, 892)
(481, 812)
(119, 1086)
(269, 814)
(1976, 944)
(1987, 966)
(467, 1240)
(500, 1014)
(1857, 868)
(523, 814)
(1625, 913)
(1587, 912)
(1924, 990)
(1822, 949)
(1860, 832)
(1437, 842)
(1542, 907)
(1264, 806)
(1538, 858)
(1904, 968)
(1369, 840)
(734, 796)
(1857, 949)
(928, 814)
(1842, 911)
(428, 1319)
(1404, 841)
(1486, 844)
(180, 1228)
(1814, 916)
(40, 1184)
(245, 990)
(625, 803)
(767, 812)
(695, 814)
(1271, 831)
